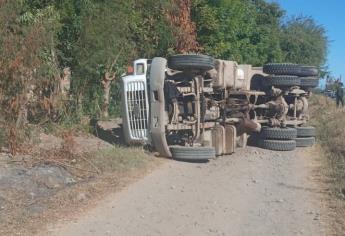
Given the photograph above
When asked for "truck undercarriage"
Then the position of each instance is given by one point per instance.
(197, 107)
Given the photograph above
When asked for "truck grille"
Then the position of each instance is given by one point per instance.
(137, 109)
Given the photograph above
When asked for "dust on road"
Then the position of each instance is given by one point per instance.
(253, 192)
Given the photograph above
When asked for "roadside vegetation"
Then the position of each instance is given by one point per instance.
(329, 122)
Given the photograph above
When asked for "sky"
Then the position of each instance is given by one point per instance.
(330, 14)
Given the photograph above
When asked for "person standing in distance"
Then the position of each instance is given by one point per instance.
(339, 94)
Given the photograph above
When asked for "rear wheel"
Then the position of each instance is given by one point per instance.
(282, 69)
(192, 153)
(308, 71)
(309, 82)
(201, 63)
(278, 145)
(308, 131)
(305, 142)
(256, 82)
(282, 81)
(278, 133)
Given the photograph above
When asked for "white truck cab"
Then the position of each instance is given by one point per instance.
(135, 102)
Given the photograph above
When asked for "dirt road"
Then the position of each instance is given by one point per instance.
(253, 192)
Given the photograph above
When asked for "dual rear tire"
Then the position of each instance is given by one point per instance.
(286, 139)
(277, 139)
(305, 136)
(283, 75)
(290, 69)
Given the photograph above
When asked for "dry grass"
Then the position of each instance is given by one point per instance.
(89, 162)
(120, 159)
(97, 167)
(98, 174)
(330, 123)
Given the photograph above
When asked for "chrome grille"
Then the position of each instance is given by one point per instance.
(137, 109)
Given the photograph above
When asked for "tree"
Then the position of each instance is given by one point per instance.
(27, 42)
(303, 41)
(244, 31)
(267, 32)
(180, 16)
(115, 29)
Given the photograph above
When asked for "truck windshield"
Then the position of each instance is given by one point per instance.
(140, 69)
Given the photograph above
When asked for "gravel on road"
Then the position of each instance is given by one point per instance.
(253, 192)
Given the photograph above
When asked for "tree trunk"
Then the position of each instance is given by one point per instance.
(22, 118)
(65, 82)
(187, 33)
(107, 79)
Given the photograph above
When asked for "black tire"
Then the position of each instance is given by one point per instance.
(282, 69)
(309, 82)
(192, 153)
(305, 142)
(257, 82)
(278, 133)
(278, 145)
(191, 62)
(309, 131)
(282, 81)
(307, 71)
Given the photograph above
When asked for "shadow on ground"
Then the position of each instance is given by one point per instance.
(109, 131)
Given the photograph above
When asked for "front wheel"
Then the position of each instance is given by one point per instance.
(200, 63)
(192, 153)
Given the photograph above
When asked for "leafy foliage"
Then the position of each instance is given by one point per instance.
(304, 42)
(114, 31)
(252, 32)
(39, 38)
(245, 31)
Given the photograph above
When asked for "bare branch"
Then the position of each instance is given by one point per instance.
(115, 60)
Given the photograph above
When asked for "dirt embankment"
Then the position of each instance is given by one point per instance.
(61, 176)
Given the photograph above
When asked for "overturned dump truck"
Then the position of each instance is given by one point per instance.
(193, 107)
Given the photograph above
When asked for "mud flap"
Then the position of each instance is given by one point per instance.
(224, 139)
(218, 139)
(157, 113)
(242, 140)
(230, 139)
